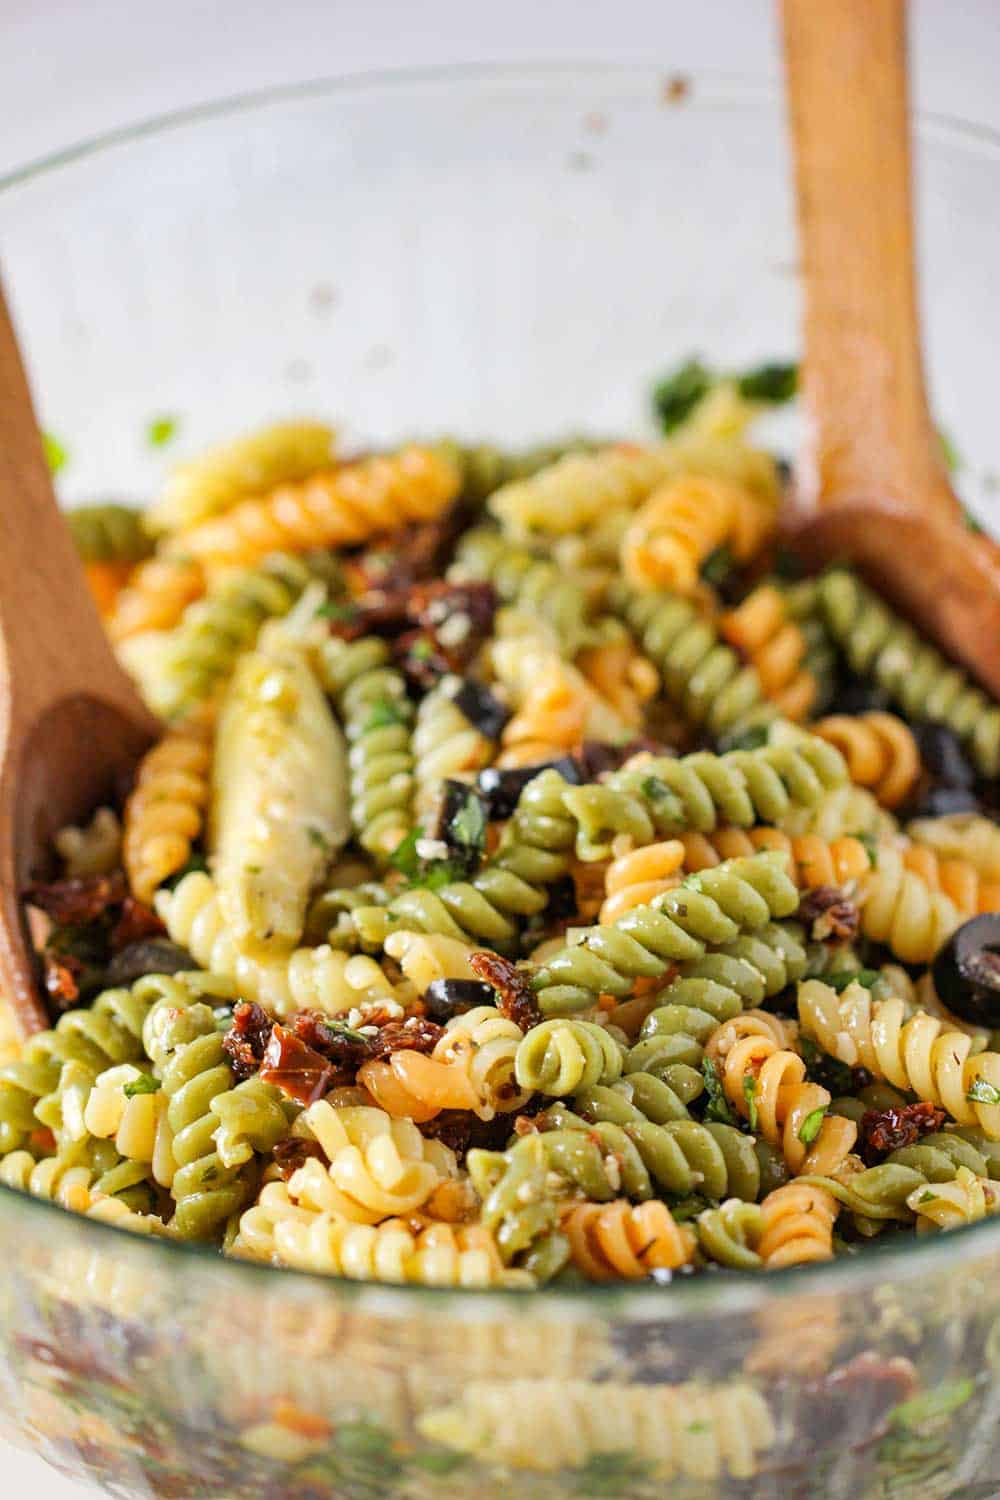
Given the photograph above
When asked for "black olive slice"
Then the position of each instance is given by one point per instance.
(966, 971)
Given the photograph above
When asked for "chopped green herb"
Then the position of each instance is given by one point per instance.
(210, 1173)
(870, 844)
(144, 1084)
(750, 1095)
(983, 1092)
(319, 840)
(940, 1402)
(718, 1105)
(422, 649)
(56, 453)
(404, 857)
(160, 431)
(774, 383)
(811, 1125)
(385, 712)
(927, 1197)
(468, 824)
(441, 872)
(839, 981)
(753, 738)
(698, 1427)
(335, 609)
(718, 565)
(676, 396)
(655, 789)
(693, 882)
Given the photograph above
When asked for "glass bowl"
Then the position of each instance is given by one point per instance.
(512, 254)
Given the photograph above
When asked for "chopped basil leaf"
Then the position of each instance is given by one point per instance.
(718, 565)
(676, 396)
(983, 1092)
(655, 789)
(927, 1197)
(160, 431)
(693, 882)
(754, 738)
(468, 824)
(422, 649)
(144, 1084)
(811, 1125)
(718, 1106)
(56, 454)
(404, 857)
(839, 982)
(319, 840)
(385, 712)
(750, 1095)
(335, 609)
(870, 844)
(774, 383)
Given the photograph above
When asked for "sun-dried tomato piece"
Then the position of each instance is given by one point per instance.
(459, 616)
(515, 997)
(338, 1043)
(137, 921)
(294, 1152)
(245, 1043)
(378, 612)
(415, 552)
(80, 899)
(298, 1070)
(416, 1034)
(885, 1130)
(463, 1131)
(829, 913)
(62, 978)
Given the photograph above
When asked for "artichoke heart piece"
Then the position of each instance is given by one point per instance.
(279, 794)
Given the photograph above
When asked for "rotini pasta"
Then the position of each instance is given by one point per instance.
(880, 751)
(761, 630)
(165, 813)
(683, 522)
(336, 508)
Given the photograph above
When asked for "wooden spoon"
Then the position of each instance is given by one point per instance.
(873, 488)
(71, 723)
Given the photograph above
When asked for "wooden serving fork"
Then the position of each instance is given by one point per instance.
(71, 723)
(873, 488)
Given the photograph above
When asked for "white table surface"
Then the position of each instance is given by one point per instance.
(70, 69)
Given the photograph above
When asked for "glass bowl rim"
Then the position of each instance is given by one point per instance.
(724, 1290)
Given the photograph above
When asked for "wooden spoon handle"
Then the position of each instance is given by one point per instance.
(51, 638)
(871, 431)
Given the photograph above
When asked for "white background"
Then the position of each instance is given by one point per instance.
(73, 68)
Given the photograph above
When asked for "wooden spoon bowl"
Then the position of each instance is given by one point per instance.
(71, 723)
(873, 488)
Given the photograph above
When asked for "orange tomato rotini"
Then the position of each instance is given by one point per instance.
(683, 522)
(880, 751)
(796, 1226)
(762, 632)
(616, 1240)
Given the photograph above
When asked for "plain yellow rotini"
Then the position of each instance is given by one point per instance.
(957, 878)
(946, 1205)
(880, 750)
(900, 909)
(338, 508)
(920, 1055)
(966, 836)
(775, 647)
(165, 813)
(216, 480)
(378, 1167)
(622, 676)
(575, 492)
(320, 978)
(695, 1431)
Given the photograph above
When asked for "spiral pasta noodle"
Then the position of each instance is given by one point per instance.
(165, 813)
(577, 490)
(812, 861)
(683, 521)
(216, 480)
(739, 896)
(696, 1431)
(444, 746)
(332, 509)
(914, 674)
(622, 1241)
(921, 1055)
(370, 696)
(899, 908)
(761, 630)
(880, 751)
(529, 582)
(319, 978)
(108, 533)
(946, 1205)
(94, 849)
(377, 1167)
(962, 836)
(559, 1057)
(156, 596)
(471, 1067)
(796, 1224)
(638, 877)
